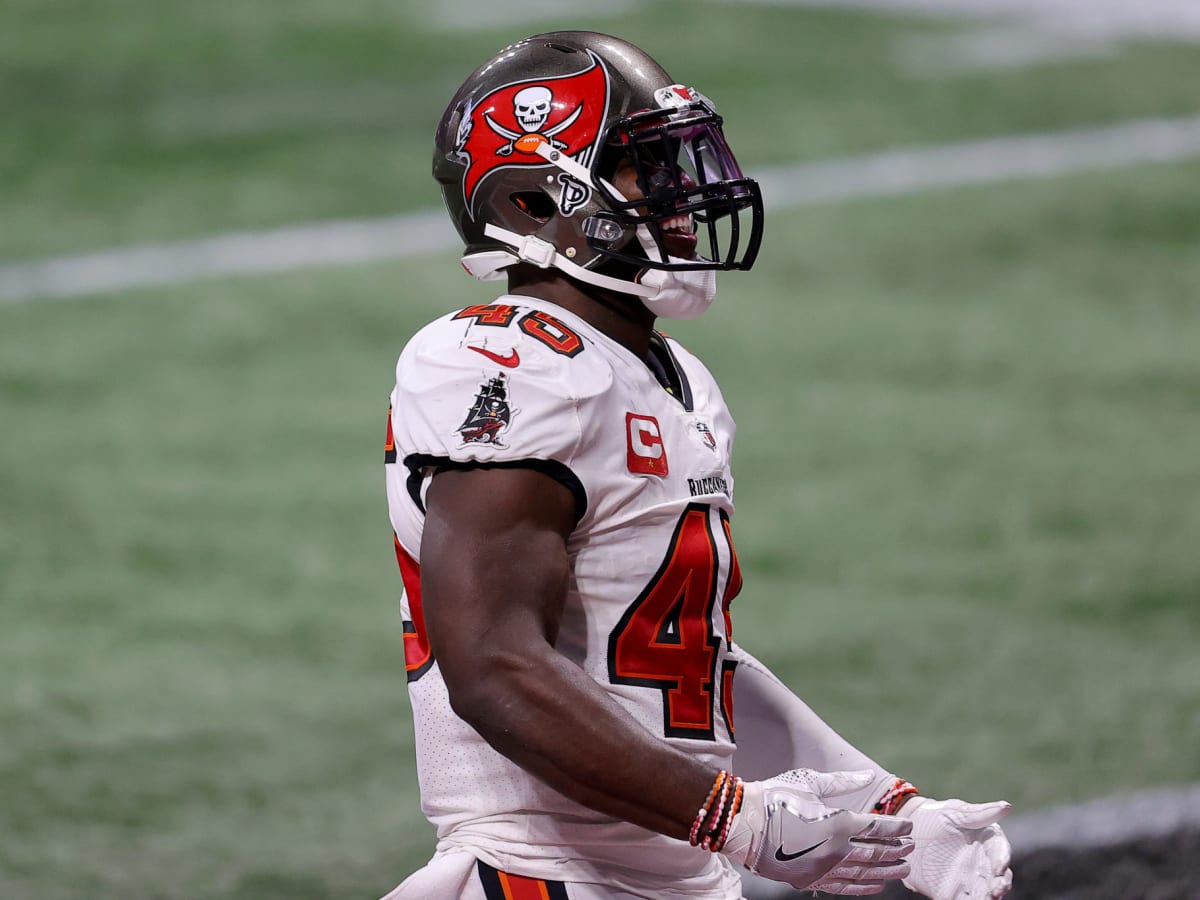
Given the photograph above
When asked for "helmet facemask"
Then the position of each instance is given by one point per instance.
(690, 185)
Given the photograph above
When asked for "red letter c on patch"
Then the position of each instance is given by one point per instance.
(646, 453)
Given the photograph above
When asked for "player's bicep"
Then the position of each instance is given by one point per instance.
(494, 568)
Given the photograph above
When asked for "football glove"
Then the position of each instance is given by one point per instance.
(960, 850)
(785, 832)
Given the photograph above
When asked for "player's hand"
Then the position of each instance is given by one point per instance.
(960, 850)
(786, 832)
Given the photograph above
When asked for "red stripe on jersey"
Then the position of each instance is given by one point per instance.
(417, 652)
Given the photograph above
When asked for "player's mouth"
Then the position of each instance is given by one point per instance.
(679, 236)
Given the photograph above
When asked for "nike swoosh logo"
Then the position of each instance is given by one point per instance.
(509, 362)
(784, 857)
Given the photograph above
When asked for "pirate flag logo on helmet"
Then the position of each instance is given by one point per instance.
(506, 127)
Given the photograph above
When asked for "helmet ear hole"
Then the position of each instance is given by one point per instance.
(534, 204)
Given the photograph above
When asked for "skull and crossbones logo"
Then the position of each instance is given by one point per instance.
(531, 106)
(531, 109)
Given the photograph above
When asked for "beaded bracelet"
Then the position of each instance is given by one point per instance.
(889, 804)
(718, 812)
(735, 805)
(702, 814)
(711, 827)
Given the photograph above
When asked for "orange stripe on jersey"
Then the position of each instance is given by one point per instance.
(499, 885)
(389, 447)
(518, 887)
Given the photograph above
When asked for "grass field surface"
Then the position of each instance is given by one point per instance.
(967, 454)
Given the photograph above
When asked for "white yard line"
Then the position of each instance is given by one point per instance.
(1104, 822)
(1170, 19)
(471, 15)
(898, 171)
(236, 253)
(996, 47)
(1017, 33)
(907, 170)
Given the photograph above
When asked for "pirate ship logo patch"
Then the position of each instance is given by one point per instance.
(490, 414)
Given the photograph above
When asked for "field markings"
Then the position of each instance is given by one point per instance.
(1177, 20)
(892, 172)
(471, 15)
(1019, 33)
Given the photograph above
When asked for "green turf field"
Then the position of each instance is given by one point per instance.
(969, 427)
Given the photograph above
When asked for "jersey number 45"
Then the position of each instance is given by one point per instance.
(667, 639)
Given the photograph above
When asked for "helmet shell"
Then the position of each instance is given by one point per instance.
(567, 88)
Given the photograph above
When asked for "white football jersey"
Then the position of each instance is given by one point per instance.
(525, 382)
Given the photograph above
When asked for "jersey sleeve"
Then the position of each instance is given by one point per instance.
(485, 397)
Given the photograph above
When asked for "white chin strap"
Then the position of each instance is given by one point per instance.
(532, 249)
(667, 293)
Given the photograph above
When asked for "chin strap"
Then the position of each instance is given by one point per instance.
(532, 249)
(489, 264)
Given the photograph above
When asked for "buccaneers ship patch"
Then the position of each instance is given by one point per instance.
(489, 415)
(506, 127)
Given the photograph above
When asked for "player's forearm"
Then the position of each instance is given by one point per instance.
(545, 714)
(776, 731)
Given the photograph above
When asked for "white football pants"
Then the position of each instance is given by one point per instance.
(457, 875)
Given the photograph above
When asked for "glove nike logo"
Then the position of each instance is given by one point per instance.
(784, 857)
(509, 362)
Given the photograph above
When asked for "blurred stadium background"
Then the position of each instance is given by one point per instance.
(967, 383)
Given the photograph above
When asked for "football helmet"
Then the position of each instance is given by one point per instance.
(532, 149)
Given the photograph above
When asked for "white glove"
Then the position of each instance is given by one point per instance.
(961, 851)
(786, 832)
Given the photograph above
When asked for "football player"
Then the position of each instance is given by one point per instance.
(559, 485)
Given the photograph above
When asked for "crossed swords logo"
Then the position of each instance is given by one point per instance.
(531, 110)
(516, 138)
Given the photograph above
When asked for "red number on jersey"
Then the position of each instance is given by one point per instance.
(498, 315)
(551, 332)
(537, 324)
(666, 640)
(733, 587)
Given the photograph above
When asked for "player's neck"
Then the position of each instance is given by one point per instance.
(621, 317)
